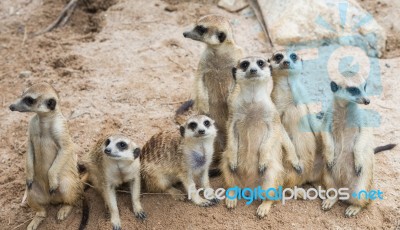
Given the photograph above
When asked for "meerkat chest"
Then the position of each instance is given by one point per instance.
(199, 158)
(120, 173)
(44, 148)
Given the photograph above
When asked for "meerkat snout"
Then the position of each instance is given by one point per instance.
(120, 147)
(284, 61)
(351, 93)
(251, 68)
(201, 126)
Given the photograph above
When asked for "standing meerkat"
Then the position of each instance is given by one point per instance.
(214, 74)
(287, 94)
(172, 157)
(113, 161)
(253, 156)
(349, 151)
(51, 164)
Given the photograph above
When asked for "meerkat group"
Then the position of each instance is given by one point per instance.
(248, 119)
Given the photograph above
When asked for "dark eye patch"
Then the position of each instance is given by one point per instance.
(278, 57)
(201, 29)
(122, 145)
(107, 142)
(192, 125)
(293, 56)
(221, 37)
(353, 91)
(207, 123)
(261, 63)
(244, 65)
(29, 101)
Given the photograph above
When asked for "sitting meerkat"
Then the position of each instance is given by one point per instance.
(214, 74)
(287, 94)
(172, 157)
(253, 156)
(113, 161)
(348, 151)
(51, 164)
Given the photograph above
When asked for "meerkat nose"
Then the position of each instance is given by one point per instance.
(185, 34)
(12, 107)
(107, 151)
(202, 131)
(286, 63)
(253, 70)
(366, 101)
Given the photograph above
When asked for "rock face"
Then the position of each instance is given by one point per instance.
(317, 22)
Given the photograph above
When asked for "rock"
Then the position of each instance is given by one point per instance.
(323, 22)
(233, 5)
(25, 74)
(171, 8)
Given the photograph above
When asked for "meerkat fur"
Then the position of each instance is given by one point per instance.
(115, 160)
(51, 164)
(182, 156)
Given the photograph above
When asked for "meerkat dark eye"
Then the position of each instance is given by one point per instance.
(207, 123)
(122, 145)
(192, 125)
(293, 56)
(278, 57)
(353, 91)
(260, 63)
(221, 37)
(201, 29)
(107, 142)
(29, 101)
(244, 65)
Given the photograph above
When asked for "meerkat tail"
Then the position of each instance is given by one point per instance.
(85, 213)
(384, 148)
(185, 107)
(215, 172)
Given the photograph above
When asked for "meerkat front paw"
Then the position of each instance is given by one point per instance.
(358, 169)
(231, 203)
(29, 183)
(352, 210)
(263, 209)
(141, 215)
(262, 168)
(328, 204)
(64, 212)
(233, 165)
(53, 185)
(116, 224)
(298, 167)
(330, 165)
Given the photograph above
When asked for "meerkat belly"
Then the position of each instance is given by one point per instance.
(344, 140)
(45, 151)
(252, 131)
(295, 121)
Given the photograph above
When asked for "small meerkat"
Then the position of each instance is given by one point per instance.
(253, 156)
(289, 94)
(51, 164)
(185, 156)
(348, 152)
(113, 161)
(214, 74)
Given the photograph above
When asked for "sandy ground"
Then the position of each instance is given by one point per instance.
(126, 67)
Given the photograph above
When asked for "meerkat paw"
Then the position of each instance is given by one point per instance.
(64, 212)
(141, 215)
(328, 204)
(233, 166)
(117, 227)
(116, 224)
(53, 184)
(29, 183)
(298, 167)
(231, 203)
(352, 210)
(205, 203)
(263, 209)
(358, 169)
(262, 168)
(34, 223)
(215, 200)
(330, 165)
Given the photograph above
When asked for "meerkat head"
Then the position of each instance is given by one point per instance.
(39, 98)
(285, 62)
(251, 69)
(350, 93)
(120, 147)
(212, 30)
(199, 126)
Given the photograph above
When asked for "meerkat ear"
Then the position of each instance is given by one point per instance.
(182, 130)
(51, 103)
(234, 73)
(221, 37)
(136, 153)
(334, 86)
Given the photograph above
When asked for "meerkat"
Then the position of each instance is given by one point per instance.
(287, 94)
(51, 164)
(185, 156)
(348, 152)
(115, 160)
(214, 74)
(253, 156)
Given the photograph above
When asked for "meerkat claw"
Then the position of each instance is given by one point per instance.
(29, 183)
(141, 215)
